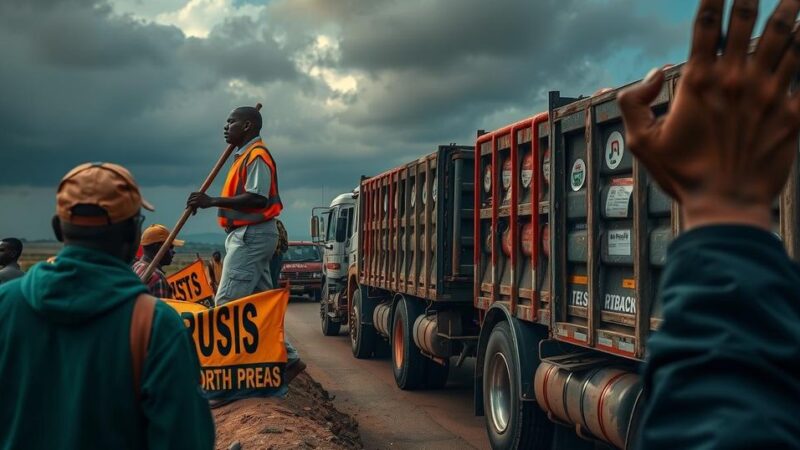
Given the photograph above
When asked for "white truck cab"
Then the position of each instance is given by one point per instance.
(334, 229)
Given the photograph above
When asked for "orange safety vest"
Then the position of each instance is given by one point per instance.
(235, 185)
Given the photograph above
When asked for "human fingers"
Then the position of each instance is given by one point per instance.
(776, 35)
(707, 31)
(743, 18)
(634, 103)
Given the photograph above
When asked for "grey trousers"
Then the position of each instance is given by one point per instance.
(245, 269)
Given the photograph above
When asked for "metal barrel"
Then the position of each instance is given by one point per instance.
(426, 336)
(380, 318)
(599, 400)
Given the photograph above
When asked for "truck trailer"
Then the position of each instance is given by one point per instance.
(546, 271)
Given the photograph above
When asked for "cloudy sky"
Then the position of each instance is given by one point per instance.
(349, 87)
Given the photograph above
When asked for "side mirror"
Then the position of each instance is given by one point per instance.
(341, 229)
(315, 228)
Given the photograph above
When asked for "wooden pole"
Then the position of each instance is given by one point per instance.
(188, 211)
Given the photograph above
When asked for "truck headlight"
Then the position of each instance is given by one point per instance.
(316, 275)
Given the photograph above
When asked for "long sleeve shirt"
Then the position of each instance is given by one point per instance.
(723, 372)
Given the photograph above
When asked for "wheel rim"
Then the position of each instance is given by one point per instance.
(355, 325)
(397, 342)
(500, 392)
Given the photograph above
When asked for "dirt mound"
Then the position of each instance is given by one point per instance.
(306, 419)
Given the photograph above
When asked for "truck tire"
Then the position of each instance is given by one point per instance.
(362, 336)
(510, 422)
(316, 295)
(437, 374)
(329, 327)
(408, 364)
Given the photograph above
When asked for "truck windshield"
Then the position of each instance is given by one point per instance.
(299, 253)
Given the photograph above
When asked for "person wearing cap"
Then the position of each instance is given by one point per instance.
(67, 348)
(153, 237)
(10, 251)
(214, 269)
(247, 209)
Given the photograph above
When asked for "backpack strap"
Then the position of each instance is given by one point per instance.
(141, 325)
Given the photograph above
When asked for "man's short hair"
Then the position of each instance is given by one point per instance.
(250, 113)
(15, 245)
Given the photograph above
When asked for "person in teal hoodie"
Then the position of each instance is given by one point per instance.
(66, 363)
(723, 371)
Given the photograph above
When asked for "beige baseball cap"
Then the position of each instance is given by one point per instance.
(158, 233)
(109, 186)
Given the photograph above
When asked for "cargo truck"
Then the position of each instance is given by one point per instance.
(567, 235)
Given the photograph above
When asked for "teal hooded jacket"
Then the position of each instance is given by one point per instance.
(66, 370)
(723, 372)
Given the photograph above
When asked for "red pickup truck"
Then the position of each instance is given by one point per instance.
(302, 269)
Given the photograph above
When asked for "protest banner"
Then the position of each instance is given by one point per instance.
(190, 283)
(240, 344)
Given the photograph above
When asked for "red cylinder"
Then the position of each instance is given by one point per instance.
(507, 242)
(526, 174)
(526, 239)
(506, 174)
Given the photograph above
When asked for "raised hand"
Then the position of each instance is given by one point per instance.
(726, 146)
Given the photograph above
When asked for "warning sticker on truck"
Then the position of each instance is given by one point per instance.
(619, 196)
(619, 242)
(615, 149)
(578, 175)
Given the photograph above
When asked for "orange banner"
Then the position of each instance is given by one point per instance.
(190, 283)
(240, 344)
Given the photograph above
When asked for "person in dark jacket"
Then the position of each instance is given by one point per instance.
(723, 371)
(276, 263)
(10, 251)
(65, 345)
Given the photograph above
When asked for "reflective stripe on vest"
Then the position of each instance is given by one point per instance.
(235, 185)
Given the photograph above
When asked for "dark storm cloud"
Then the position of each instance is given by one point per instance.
(83, 82)
(241, 48)
(437, 59)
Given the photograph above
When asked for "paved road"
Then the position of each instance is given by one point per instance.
(388, 417)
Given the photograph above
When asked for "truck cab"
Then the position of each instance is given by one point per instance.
(333, 229)
(301, 269)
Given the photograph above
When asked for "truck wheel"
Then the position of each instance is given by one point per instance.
(316, 295)
(437, 374)
(362, 336)
(510, 422)
(408, 363)
(329, 327)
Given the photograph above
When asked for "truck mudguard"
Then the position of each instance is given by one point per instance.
(526, 337)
